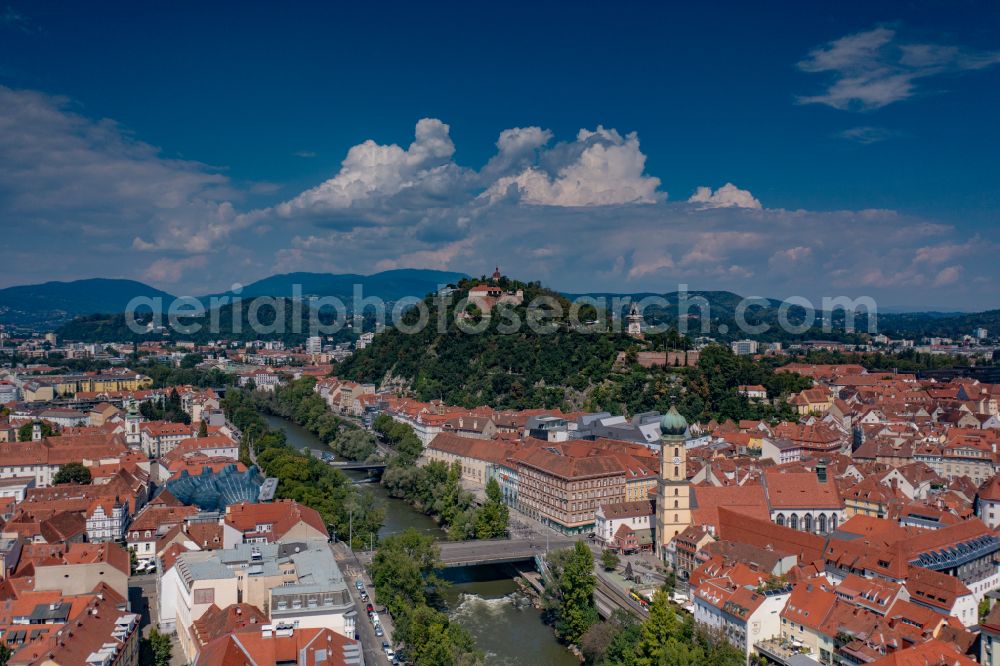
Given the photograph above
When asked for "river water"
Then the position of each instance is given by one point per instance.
(484, 600)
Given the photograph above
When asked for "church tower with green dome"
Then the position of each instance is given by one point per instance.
(133, 419)
(673, 495)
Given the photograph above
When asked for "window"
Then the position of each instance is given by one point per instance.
(807, 522)
(793, 521)
(204, 596)
(780, 520)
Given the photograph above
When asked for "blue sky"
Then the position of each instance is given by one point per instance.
(193, 146)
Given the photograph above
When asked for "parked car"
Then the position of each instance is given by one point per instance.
(370, 608)
(360, 584)
(378, 630)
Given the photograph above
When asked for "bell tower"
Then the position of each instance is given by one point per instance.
(673, 495)
(634, 320)
(132, 421)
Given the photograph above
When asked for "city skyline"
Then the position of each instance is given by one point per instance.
(772, 152)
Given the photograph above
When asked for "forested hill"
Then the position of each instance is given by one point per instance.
(520, 369)
(287, 321)
(566, 368)
(57, 302)
(934, 324)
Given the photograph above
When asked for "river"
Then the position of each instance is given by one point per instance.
(484, 600)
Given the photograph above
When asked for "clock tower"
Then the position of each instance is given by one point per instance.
(673, 495)
(634, 320)
(133, 437)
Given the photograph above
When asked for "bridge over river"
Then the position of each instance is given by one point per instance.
(378, 467)
(498, 551)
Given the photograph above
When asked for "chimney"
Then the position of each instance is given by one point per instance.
(821, 471)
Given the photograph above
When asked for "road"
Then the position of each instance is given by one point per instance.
(371, 644)
(143, 600)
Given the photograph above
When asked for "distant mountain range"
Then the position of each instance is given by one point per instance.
(53, 304)
(45, 306)
(388, 285)
(894, 322)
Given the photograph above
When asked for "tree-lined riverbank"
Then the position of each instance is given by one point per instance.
(345, 508)
(504, 627)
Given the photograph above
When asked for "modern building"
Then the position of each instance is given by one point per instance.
(214, 491)
(314, 344)
(744, 347)
(297, 584)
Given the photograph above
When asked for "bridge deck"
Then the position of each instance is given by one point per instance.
(496, 551)
(356, 465)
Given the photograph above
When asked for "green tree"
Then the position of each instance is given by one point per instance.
(25, 431)
(612, 641)
(669, 583)
(493, 516)
(155, 649)
(191, 360)
(203, 428)
(570, 602)
(622, 650)
(72, 472)
(354, 444)
(657, 630)
(609, 560)
(403, 571)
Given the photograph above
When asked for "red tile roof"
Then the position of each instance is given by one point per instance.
(738, 527)
(748, 500)
(251, 646)
(930, 653)
(282, 515)
(801, 490)
(216, 622)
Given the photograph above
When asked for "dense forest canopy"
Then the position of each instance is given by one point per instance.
(567, 368)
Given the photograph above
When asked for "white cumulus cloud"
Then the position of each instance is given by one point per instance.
(373, 171)
(600, 168)
(727, 196)
(517, 149)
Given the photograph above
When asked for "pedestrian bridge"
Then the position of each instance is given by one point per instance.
(497, 551)
(374, 466)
